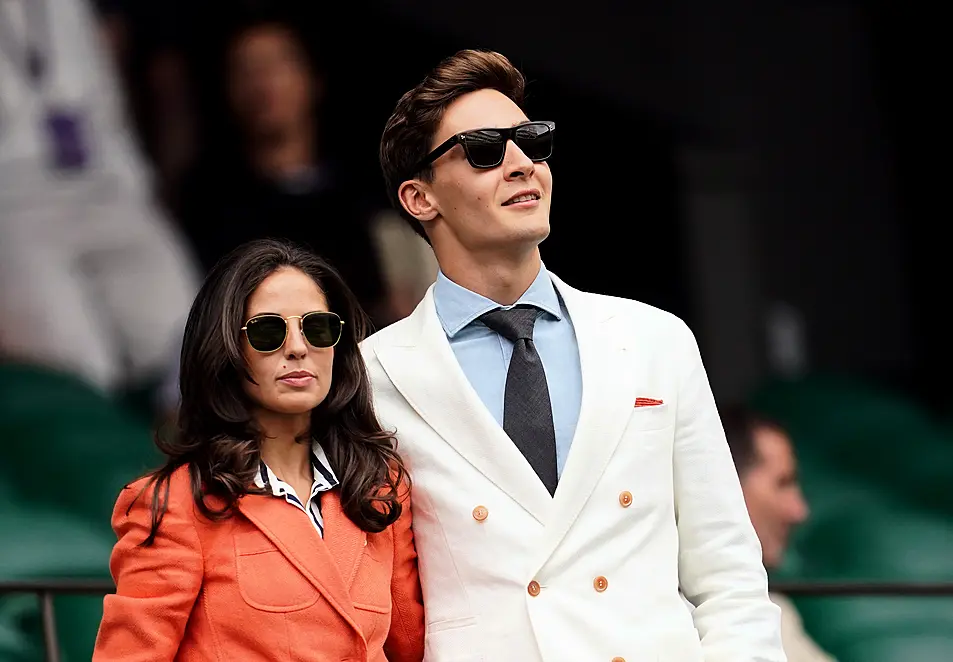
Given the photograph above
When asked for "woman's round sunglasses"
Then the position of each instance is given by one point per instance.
(267, 332)
(486, 148)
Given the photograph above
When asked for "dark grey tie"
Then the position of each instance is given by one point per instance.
(527, 411)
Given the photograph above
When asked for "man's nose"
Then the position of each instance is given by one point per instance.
(517, 165)
(798, 508)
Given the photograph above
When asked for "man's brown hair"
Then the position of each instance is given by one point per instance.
(408, 134)
(740, 424)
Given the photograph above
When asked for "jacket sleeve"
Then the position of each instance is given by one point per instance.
(405, 642)
(719, 562)
(156, 586)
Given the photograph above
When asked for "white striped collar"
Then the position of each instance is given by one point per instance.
(324, 478)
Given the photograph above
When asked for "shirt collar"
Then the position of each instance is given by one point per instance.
(457, 306)
(324, 476)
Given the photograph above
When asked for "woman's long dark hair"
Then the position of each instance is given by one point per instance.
(216, 435)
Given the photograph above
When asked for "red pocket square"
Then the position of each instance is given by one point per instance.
(647, 402)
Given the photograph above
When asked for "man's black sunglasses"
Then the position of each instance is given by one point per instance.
(485, 148)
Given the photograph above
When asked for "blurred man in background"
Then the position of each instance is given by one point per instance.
(93, 280)
(767, 466)
(272, 176)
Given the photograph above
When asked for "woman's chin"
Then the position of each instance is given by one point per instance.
(294, 404)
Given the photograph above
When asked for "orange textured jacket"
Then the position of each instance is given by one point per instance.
(261, 585)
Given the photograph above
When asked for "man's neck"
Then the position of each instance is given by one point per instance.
(500, 279)
(278, 156)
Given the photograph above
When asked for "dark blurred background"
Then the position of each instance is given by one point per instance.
(728, 162)
(767, 171)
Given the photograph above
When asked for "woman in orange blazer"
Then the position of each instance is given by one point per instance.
(280, 526)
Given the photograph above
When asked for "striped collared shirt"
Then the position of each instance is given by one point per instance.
(324, 480)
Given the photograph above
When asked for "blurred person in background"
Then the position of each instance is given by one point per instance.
(152, 42)
(93, 279)
(767, 467)
(275, 179)
(280, 524)
(565, 446)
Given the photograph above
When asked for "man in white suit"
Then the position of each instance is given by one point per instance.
(570, 470)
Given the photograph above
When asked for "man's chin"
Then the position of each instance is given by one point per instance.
(773, 561)
(534, 229)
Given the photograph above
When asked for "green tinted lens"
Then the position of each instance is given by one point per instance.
(266, 334)
(321, 329)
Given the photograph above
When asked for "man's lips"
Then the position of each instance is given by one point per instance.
(524, 197)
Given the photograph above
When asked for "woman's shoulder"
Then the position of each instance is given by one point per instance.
(175, 492)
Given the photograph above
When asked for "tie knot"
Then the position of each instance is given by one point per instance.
(512, 323)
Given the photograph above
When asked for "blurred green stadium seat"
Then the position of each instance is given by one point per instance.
(84, 444)
(876, 473)
(867, 432)
(40, 543)
(17, 644)
(890, 646)
(85, 447)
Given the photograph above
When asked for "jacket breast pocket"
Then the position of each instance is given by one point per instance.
(267, 580)
(652, 417)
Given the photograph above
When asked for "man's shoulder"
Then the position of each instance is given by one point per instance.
(628, 312)
(798, 644)
(633, 309)
(389, 335)
(789, 612)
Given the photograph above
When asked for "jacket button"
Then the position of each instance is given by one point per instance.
(480, 513)
(533, 588)
(600, 584)
(625, 499)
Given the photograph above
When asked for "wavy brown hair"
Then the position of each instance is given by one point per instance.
(215, 433)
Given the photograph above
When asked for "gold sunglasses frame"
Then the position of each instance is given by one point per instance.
(288, 326)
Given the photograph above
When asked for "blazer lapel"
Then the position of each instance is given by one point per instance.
(344, 539)
(294, 536)
(608, 388)
(423, 368)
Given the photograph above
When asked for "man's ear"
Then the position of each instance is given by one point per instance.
(418, 200)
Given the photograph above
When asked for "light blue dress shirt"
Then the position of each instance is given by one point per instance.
(484, 355)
